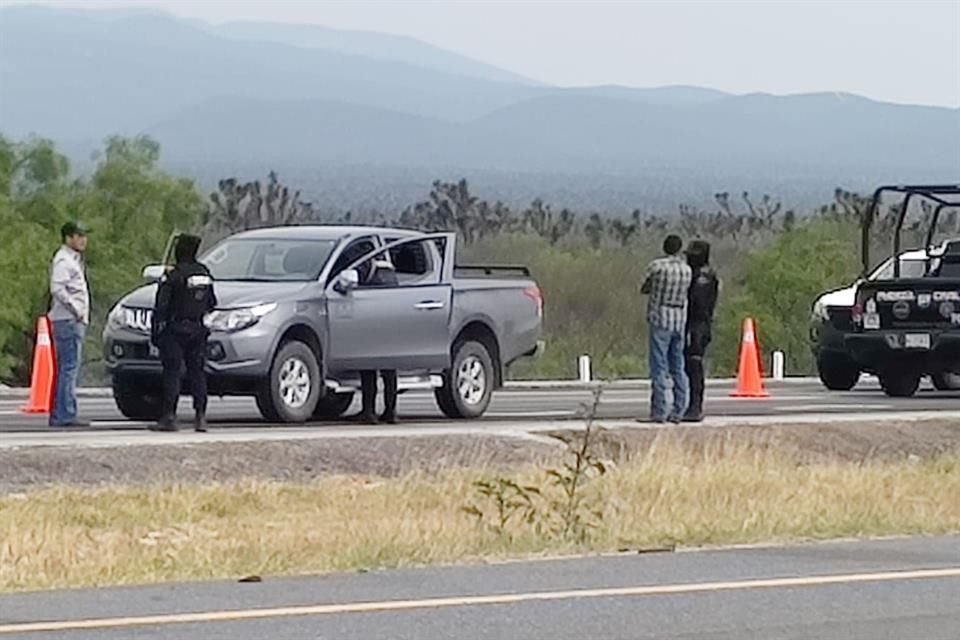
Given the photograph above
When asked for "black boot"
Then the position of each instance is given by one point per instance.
(695, 373)
(389, 397)
(200, 423)
(165, 423)
(368, 414)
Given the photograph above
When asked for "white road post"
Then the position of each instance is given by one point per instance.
(583, 368)
(779, 361)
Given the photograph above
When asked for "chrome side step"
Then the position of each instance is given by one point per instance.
(404, 383)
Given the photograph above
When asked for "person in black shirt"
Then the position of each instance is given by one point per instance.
(381, 274)
(702, 300)
(184, 296)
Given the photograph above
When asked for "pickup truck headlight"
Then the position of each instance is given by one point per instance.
(820, 311)
(229, 320)
(116, 318)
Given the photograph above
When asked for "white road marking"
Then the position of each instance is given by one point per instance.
(474, 601)
(725, 397)
(530, 414)
(107, 424)
(832, 407)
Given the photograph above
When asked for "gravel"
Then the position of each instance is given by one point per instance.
(294, 460)
(305, 460)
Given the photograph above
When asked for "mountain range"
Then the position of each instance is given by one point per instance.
(250, 96)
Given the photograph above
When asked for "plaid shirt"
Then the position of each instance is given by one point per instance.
(669, 281)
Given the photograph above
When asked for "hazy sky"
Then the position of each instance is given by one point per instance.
(903, 51)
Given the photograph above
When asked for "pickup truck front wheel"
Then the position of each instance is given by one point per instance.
(292, 390)
(468, 384)
(137, 399)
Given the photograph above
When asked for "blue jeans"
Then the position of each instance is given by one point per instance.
(68, 338)
(666, 361)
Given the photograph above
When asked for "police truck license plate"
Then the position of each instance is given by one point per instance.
(917, 341)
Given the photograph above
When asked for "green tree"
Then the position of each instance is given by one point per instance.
(128, 203)
(35, 192)
(778, 286)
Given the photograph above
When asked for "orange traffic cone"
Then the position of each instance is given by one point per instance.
(749, 377)
(41, 383)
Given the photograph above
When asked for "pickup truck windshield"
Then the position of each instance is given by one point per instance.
(908, 269)
(264, 260)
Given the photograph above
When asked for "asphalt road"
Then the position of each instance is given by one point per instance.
(419, 409)
(877, 590)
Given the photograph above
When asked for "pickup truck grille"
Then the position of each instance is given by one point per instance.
(138, 319)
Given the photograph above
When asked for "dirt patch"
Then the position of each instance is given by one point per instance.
(294, 460)
(807, 443)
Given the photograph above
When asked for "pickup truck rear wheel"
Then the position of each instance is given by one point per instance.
(946, 381)
(292, 389)
(837, 374)
(899, 384)
(137, 399)
(468, 384)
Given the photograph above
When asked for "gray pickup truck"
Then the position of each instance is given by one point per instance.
(296, 324)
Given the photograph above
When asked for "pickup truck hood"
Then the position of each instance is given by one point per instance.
(845, 297)
(230, 295)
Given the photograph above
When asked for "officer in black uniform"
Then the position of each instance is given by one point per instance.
(704, 289)
(381, 274)
(184, 296)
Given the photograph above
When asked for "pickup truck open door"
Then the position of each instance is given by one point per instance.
(403, 327)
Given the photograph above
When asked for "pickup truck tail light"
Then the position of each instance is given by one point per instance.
(856, 314)
(536, 295)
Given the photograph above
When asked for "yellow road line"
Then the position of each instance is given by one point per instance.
(472, 601)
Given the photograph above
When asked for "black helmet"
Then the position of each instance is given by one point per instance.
(186, 249)
(698, 254)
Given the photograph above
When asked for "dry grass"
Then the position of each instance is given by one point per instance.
(80, 537)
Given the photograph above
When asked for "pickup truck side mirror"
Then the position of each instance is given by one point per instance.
(346, 281)
(154, 272)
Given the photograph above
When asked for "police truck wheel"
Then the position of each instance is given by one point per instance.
(292, 390)
(899, 384)
(332, 406)
(468, 384)
(946, 381)
(837, 374)
(137, 399)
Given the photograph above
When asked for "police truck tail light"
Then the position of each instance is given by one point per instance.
(536, 295)
(856, 314)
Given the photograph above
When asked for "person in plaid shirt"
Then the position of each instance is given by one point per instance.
(668, 286)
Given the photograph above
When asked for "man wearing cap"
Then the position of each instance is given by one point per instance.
(668, 284)
(69, 316)
(184, 296)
